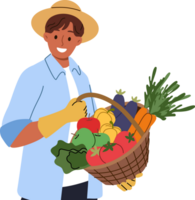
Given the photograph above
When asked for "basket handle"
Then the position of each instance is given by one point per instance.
(117, 105)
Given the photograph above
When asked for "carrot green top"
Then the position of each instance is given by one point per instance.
(160, 99)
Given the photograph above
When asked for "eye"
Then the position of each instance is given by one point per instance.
(55, 36)
(69, 38)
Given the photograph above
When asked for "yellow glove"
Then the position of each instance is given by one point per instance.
(73, 112)
(124, 186)
(139, 175)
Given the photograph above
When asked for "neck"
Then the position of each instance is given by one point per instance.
(63, 62)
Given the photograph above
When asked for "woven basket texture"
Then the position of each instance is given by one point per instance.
(125, 167)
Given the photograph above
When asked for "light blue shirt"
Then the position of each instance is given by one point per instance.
(42, 90)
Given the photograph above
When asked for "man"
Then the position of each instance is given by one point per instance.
(43, 108)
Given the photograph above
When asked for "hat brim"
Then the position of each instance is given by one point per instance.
(90, 25)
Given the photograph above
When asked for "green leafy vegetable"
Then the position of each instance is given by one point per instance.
(152, 83)
(69, 156)
(78, 160)
(158, 99)
(63, 163)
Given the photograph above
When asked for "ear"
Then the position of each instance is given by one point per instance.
(79, 41)
(45, 36)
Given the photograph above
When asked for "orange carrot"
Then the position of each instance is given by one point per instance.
(138, 117)
(153, 122)
(144, 125)
(145, 120)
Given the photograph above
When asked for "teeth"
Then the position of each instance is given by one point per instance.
(62, 50)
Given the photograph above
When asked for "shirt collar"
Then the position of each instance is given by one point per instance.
(56, 69)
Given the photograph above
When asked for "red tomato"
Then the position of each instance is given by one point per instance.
(90, 123)
(93, 157)
(126, 140)
(110, 152)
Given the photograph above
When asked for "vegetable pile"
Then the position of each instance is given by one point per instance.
(109, 134)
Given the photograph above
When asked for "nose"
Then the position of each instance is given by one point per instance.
(62, 42)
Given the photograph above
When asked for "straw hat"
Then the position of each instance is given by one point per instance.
(65, 7)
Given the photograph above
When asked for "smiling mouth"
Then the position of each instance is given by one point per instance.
(61, 50)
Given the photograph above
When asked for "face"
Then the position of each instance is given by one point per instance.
(62, 42)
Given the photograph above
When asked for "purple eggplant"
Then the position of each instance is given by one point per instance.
(120, 99)
(131, 108)
(122, 121)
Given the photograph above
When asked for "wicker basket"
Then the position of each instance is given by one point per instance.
(128, 165)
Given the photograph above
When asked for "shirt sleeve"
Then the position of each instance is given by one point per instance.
(20, 110)
(11, 130)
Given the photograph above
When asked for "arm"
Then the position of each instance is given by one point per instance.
(28, 135)
(17, 126)
(49, 124)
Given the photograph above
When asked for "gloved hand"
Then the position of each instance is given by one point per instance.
(75, 110)
(129, 185)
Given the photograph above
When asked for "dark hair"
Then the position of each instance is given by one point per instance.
(57, 21)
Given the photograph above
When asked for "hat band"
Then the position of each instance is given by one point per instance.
(67, 7)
